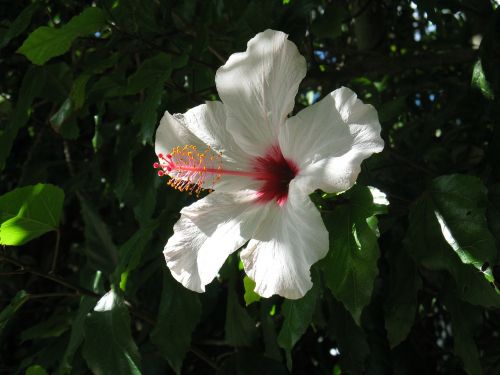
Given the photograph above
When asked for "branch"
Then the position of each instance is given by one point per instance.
(86, 292)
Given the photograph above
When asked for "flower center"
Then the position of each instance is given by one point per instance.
(276, 172)
(192, 171)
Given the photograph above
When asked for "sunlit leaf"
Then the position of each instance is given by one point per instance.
(28, 212)
(351, 264)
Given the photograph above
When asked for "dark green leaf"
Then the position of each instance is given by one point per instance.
(240, 327)
(297, 317)
(459, 204)
(54, 326)
(427, 244)
(64, 122)
(32, 84)
(78, 90)
(76, 337)
(109, 347)
(46, 42)
(20, 24)
(351, 339)
(351, 264)
(130, 252)
(150, 73)
(493, 212)
(146, 115)
(28, 212)
(401, 307)
(100, 248)
(36, 370)
(465, 320)
(8, 312)
(173, 336)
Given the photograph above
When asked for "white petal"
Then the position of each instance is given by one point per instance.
(258, 88)
(288, 241)
(171, 133)
(330, 139)
(204, 126)
(208, 231)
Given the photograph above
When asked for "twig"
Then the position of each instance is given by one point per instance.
(51, 295)
(54, 278)
(204, 357)
(83, 291)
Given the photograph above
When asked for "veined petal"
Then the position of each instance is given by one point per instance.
(171, 133)
(208, 231)
(330, 139)
(258, 88)
(201, 126)
(204, 126)
(285, 246)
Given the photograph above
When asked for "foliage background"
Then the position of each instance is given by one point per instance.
(83, 286)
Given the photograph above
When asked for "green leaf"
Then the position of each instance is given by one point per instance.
(297, 317)
(479, 81)
(350, 267)
(77, 94)
(401, 302)
(46, 42)
(28, 212)
(76, 337)
(459, 204)
(173, 335)
(427, 244)
(250, 296)
(36, 370)
(130, 252)
(109, 347)
(350, 338)
(240, 327)
(8, 312)
(20, 24)
(100, 248)
(31, 86)
(150, 73)
(465, 320)
(146, 115)
(493, 212)
(54, 326)
(63, 121)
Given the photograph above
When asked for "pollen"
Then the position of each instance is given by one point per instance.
(190, 169)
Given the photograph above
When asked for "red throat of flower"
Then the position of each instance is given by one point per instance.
(192, 171)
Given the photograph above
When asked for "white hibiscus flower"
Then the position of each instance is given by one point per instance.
(262, 166)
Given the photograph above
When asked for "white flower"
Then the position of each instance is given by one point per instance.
(262, 166)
